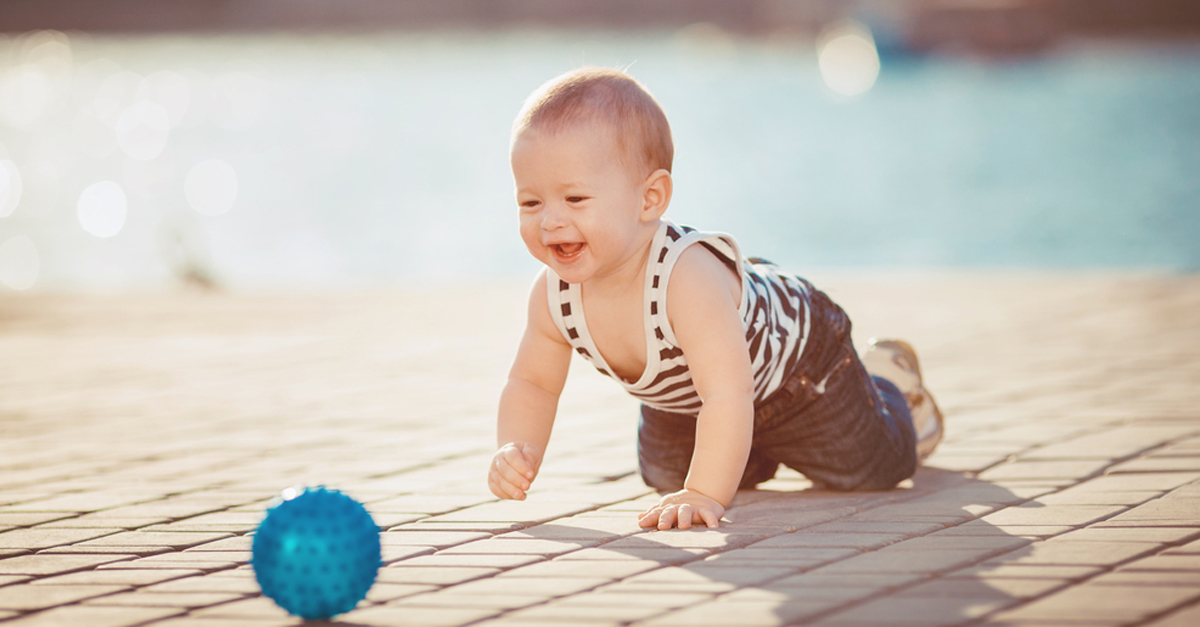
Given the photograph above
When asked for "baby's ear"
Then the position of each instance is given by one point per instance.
(656, 194)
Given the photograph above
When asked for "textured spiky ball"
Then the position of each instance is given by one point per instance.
(316, 553)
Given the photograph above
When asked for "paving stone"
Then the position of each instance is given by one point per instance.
(1163, 512)
(942, 541)
(1072, 496)
(887, 561)
(211, 584)
(1165, 562)
(384, 592)
(985, 528)
(1148, 578)
(1185, 617)
(1072, 553)
(11, 579)
(56, 564)
(713, 539)
(861, 541)
(1125, 603)
(1158, 464)
(779, 557)
(917, 611)
(602, 569)
(481, 560)
(561, 614)
(1071, 515)
(994, 588)
(92, 521)
(436, 539)
(870, 581)
(606, 596)
(1024, 470)
(29, 519)
(906, 529)
(432, 575)
(1111, 443)
(141, 551)
(511, 511)
(238, 543)
(245, 609)
(390, 616)
(224, 621)
(665, 555)
(81, 616)
(1025, 571)
(118, 577)
(26, 598)
(38, 538)
(189, 600)
(451, 598)
(395, 552)
(1140, 481)
(745, 614)
(827, 595)
(544, 587)
(426, 526)
(598, 529)
(516, 546)
(1157, 535)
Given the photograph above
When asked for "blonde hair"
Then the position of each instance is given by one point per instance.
(593, 94)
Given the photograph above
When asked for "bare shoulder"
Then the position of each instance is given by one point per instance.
(538, 314)
(700, 277)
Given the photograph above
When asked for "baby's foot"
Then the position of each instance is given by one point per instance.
(896, 361)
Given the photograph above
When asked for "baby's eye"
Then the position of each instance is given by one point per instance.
(530, 204)
(575, 199)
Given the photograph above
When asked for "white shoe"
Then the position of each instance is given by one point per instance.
(896, 361)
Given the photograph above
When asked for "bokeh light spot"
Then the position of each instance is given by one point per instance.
(239, 101)
(10, 187)
(92, 135)
(847, 58)
(211, 187)
(168, 89)
(102, 207)
(25, 94)
(142, 130)
(19, 263)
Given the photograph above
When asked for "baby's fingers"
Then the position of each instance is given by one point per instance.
(667, 518)
(503, 488)
(517, 461)
(685, 516)
(510, 482)
(710, 518)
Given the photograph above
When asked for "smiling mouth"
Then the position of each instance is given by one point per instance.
(568, 252)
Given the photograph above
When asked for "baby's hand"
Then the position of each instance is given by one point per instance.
(682, 509)
(513, 469)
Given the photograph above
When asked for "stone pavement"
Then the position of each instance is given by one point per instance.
(143, 435)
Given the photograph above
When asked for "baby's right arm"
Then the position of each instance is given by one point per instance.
(529, 400)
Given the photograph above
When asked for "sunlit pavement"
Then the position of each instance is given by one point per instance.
(144, 435)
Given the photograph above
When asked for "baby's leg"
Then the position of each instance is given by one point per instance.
(665, 444)
(840, 427)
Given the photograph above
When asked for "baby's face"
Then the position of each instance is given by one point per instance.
(579, 203)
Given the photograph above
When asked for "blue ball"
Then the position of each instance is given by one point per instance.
(316, 554)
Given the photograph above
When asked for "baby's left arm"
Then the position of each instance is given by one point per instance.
(702, 306)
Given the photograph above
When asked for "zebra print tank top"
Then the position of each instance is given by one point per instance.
(774, 309)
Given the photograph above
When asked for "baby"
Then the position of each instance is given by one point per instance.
(739, 367)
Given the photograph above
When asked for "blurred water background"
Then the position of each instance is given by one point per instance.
(346, 161)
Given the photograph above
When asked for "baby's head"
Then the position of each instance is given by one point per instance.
(610, 99)
(591, 158)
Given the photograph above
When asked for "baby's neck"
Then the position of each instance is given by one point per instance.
(630, 277)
